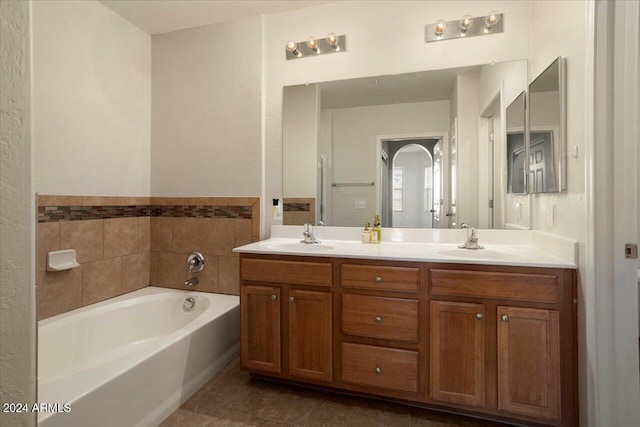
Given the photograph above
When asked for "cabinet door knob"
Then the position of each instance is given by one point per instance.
(378, 279)
(291, 299)
(504, 318)
(378, 370)
(274, 297)
(479, 316)
(378, 319)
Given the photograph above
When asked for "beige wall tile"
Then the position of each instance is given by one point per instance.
(187, 235)
(153, 268)
(120, 237)
(211, 201)
(50, 200)
(229, 275)
(161, 234)
(59, 291)
(209, 276)
(255, 218)
(241, 201)
(295, 218)
(101, 280)
(169, 201)
(172, 270)
(86, 237)
(218, 235)
(48, 239)
(136, 271)
(144, 234)
(242, 232)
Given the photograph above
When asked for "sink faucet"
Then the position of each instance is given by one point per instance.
(308, 235)
(191, 282)
(472, 240)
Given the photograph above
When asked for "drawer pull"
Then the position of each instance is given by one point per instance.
(378, 279)
(479, 316)
(291, 299)
(378, 319)
(274, 297)
(378, 370)
(504, 318)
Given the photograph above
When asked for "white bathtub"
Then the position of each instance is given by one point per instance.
(132, 360)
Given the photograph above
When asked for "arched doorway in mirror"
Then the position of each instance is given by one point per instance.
(411, 198)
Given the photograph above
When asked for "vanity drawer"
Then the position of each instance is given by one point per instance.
(292, 272)
(380, 317)
(489, 284)
(382, 367)
(401, 279)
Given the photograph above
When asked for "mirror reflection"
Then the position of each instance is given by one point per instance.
(425, 149)
(516, 152)
(546, 131)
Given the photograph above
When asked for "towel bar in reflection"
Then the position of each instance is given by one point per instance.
(353, 184)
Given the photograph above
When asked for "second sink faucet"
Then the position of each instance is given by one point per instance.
(308, 235)
(472, 240)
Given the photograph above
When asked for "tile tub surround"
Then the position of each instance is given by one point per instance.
(126, 243)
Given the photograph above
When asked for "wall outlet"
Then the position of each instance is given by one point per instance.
(361, 204)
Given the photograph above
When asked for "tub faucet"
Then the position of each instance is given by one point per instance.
(472, 240)
(191, 282)
(308, 235)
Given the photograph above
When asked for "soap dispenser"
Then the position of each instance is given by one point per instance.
(366, 234)
(376, 234)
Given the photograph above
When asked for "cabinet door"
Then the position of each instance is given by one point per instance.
(457, 352)
(310, 334)
(529, 362)
(260, 320)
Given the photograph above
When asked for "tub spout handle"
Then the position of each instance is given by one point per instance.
(191, 282)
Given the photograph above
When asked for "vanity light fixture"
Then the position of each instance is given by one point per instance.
(316, 47)
(467, 26)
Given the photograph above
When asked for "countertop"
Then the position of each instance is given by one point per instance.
(492, 254)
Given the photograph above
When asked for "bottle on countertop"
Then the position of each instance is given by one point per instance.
(366, 233)
(376, 234)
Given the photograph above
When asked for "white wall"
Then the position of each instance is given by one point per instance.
(91, 100)
(354, 132)
(206, 111)
(401, 50)
(301, 118)
(17, 218)
(559, 29)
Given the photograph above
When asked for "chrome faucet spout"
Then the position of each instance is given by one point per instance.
(472, 240)
(191, 282)
(308, 235)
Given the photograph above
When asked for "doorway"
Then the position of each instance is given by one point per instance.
(410, 185)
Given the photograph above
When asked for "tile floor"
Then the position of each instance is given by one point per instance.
(232, 398)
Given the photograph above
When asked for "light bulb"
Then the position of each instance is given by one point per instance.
(293, 48)
(466, 22)
(312, 44)
(441, 25)
(491, 19)
(333, 41)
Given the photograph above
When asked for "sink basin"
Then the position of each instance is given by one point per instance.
(482, 254)
(301, 247)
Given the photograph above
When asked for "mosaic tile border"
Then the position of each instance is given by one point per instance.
(296, 207)
(80, 213)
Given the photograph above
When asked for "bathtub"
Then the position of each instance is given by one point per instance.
(132, 360)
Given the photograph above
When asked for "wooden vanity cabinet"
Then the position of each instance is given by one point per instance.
(493, 341)
(286, 315)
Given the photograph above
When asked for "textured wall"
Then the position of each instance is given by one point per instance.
(17, 220)
(92, 101)
(206, 108)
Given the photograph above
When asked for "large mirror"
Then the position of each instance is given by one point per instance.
(547, 153)
(425, 149)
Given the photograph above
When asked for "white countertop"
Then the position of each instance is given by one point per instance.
(500, 247)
